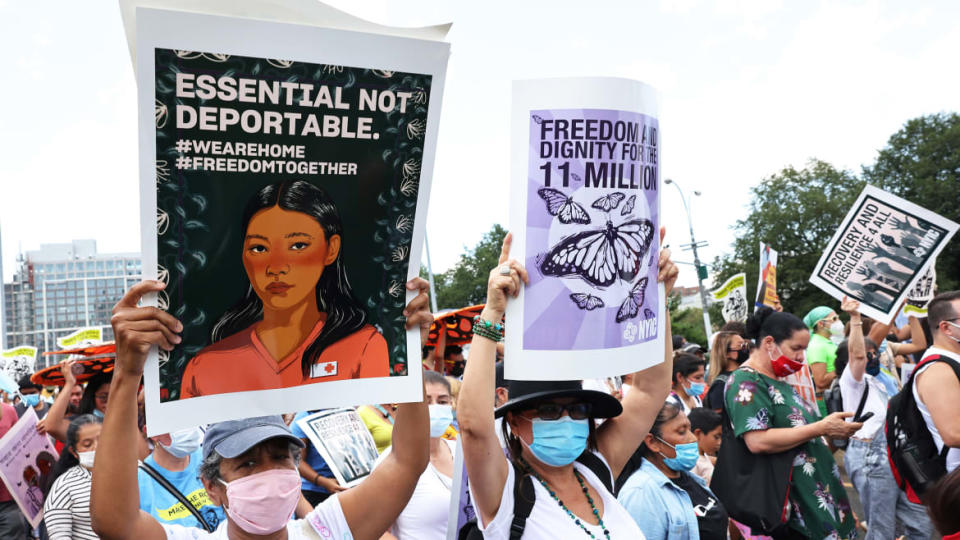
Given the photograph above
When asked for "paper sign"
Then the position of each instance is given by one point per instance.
(585, 212)
(285, 174)
(461, 506)
(344, 442)
(26, 461)
(881, 250)
(83, 337)
(733, 294)
(767, 285)
(922, 292)
(18, 361)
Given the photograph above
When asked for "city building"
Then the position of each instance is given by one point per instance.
(62, 287)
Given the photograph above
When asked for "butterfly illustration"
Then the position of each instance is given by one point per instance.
(576, 177)
(647, 313)
(587, 302)
(537, 119)
(558, 204)
(627, 208)
(631, 306)
(600, 256)
(609, 202)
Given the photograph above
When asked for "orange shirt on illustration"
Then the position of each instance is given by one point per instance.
(240, 362)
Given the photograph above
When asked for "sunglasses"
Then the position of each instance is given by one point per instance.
(553, 411)
(743, 347)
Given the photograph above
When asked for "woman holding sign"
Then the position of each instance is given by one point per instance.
(298, 321)
(558, 458)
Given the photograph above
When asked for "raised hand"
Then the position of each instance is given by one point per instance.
(417, 311)
(667, 271)
(136, 329)
(505, 279)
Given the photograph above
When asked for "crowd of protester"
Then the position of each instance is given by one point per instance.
(651, 454)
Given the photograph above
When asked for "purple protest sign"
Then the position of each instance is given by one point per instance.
(586, 218)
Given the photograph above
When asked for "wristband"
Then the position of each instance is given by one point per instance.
(487, 329)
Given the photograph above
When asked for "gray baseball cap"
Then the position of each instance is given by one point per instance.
(234, 437)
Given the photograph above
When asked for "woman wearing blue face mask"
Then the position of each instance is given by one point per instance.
(559, 463)
(666, 500)
(688, 383)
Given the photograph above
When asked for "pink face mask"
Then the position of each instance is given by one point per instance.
(262, 503)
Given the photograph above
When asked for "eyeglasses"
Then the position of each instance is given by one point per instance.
(743, 347)
(553, 411)
(101, 397)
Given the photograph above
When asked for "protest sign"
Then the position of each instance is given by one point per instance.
(18, 361)
(767, 284)
(585, 213)
(802, 382)
(83, 337)
(344, 443)
(881, 250)
(733, 294)
(461, 507)
(922, 293)
(285, 172)
(27, 458)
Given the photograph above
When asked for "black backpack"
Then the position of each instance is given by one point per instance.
(913, 455)
(524, 497)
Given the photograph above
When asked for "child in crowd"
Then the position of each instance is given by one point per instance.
(705, 424)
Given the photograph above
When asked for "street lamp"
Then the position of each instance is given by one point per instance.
(701, 270)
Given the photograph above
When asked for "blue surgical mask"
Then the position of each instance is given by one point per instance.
(98, 413)
(441, 416)
(873, 364)
(184, 442)
(558, 442)
(695, 389)
(31, 400)
(687, 455)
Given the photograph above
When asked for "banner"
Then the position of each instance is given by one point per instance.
(881, 250)
(585, 213)
(733, 294)
(344, 442)
(83, 337)
(285, 174)
(27, 458)
(18, 361)
(767, 284)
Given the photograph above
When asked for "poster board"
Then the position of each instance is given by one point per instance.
(921, 293)
(27, 458)
(461, 506)
(733, 294)
(767, 284)
(340, 128)
(585, 215)
(344, 442)
(18, 361)
(881, 250)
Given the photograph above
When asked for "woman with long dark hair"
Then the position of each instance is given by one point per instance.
(298, 321)
(66, 510)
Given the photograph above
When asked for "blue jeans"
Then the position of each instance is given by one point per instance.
(883, 502)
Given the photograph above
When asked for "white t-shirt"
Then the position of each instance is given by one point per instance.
(953, 455)
(547, 521)
(852, 392)
(675, 399)
(325, 522)
(426, 514)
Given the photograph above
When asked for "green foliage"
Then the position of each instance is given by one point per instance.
(687, 322)
(466, 283)
(796, 212)
(921, 163)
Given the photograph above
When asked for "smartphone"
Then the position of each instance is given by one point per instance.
(864, 418)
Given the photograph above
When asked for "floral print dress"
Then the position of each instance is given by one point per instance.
(818, 503)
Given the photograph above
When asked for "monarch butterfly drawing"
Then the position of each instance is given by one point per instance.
(600, 256)
(587, 302)
(631, 306)
(558, 204)
(609, 202)
(628, 207)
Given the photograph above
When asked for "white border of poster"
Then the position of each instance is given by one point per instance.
(320, 442)
(257, 38)
(608, 93)
(905, 207)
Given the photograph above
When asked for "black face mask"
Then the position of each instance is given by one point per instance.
(742, 356)
(873, 364)
(457, 369)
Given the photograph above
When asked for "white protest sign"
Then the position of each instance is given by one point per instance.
(883, 247)
(344, 442)
(733, 294)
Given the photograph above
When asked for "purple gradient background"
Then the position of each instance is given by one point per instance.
(552, 321)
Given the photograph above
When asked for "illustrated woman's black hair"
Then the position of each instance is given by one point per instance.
(334, 295)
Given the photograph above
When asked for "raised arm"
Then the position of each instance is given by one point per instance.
(390, 485)
(618, 438)
(55, 422)
(918, 340)
(114, 497)
(856, 346)
(484, 459)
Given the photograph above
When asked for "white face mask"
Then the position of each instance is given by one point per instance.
(836, 328)
(184, 442)
(955, 326)
(86, 458)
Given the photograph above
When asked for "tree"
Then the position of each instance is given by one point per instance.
(796, 212)
(921, 163)
(686, 322)
(466, 283)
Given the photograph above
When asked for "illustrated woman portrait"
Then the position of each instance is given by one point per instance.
(298, 322)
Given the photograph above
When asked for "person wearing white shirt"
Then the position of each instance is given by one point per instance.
(865, 459)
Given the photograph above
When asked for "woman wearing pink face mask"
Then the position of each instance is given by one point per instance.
(771, 417)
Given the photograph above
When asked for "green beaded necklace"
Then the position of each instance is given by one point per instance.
(575, 519)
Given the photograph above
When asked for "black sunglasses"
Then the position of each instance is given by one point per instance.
(553, 411)
(743, 347)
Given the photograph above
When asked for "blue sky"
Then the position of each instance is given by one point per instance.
(747, 87)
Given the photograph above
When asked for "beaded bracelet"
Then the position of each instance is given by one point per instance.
(487, 329)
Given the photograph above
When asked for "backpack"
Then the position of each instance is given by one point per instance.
(524, 497)
(833, 399)
(913, 455)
